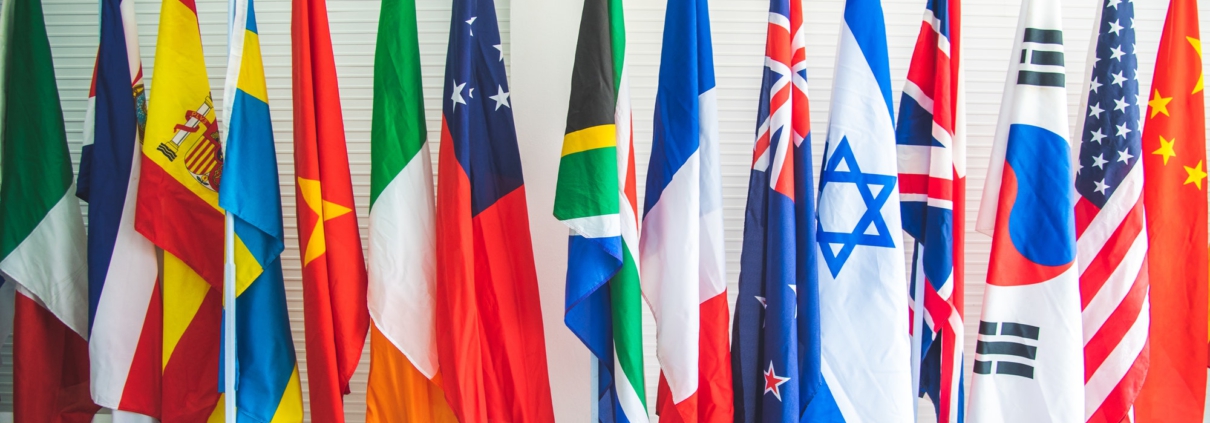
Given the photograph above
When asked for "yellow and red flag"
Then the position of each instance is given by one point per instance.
(334, 272)
(1174, 192)
(177, 210)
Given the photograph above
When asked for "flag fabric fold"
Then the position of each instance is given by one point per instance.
(1030, 347)
(595, 198)
(267, 381)
(1111, 241)
(177, 209)
(404, 382)
(1174, 195)
(775, 352)
(862, 290)
(492, 349)
(125, 320)
(334, 269)
(931, 142)
(684, 277)
(42, 239)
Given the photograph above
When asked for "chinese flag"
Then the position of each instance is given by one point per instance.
(1174, 191)
(334, 273)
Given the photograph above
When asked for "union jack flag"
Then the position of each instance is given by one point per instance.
(932, 184)
(775, 354)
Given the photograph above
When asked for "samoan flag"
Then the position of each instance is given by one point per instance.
(775, 350)
(490, 345)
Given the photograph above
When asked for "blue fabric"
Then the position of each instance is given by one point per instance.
(106, 165)
(686, 72)
(484, 136)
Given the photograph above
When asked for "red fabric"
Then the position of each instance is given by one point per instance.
(180, 222)
(195, 363)
(50, 368)
(713, 402)
(334, 284)
(1175, 388)
(142, 394)
(491, 345)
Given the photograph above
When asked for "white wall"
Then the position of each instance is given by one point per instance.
(539, 42)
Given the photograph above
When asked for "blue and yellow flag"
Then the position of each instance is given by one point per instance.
(268, 385)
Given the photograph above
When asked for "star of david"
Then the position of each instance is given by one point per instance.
(872, 218)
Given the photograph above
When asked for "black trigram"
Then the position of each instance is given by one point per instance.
(1039, 59)
(1006, 356)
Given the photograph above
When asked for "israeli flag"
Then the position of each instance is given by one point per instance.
(862, 282)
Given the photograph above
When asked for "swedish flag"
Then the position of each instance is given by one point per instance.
(267, 371)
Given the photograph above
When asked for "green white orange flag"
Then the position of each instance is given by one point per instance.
(404, 374)
(42, 240)
(1174, 195)
(595, 198)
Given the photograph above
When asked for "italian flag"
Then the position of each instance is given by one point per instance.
(42, 240)
(595, 198)
(404, 383)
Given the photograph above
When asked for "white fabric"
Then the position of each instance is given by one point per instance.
(1055, 393)
(50, 264)
(403, 263)
(122, 309)
(863, 309)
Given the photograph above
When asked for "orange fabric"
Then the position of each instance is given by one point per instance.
(398, 392)
(1174, 194)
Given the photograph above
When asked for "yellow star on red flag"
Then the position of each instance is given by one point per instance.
(312, 194)
(1196, 174)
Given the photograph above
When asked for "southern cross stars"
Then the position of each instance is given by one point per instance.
(773, 382)
(871, 229)
(501, 98)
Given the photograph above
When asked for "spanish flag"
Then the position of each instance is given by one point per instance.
(178, 211)
(267, 377)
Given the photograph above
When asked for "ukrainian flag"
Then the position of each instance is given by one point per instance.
(267, 389)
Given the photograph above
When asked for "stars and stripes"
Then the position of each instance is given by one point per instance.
(1110, 227)
(932, 175)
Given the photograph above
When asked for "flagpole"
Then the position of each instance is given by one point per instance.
(229, 272)
(917, 321)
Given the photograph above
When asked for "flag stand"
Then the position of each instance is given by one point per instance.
(229, 318)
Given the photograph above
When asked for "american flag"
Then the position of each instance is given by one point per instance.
(1110, 228)
(932, 180)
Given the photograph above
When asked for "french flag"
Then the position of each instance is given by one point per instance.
(681, 247)
(125, 320)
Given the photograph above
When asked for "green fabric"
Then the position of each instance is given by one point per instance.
(588, 184)
(35, 161)
(398, 130)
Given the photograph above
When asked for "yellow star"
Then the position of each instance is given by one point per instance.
(312, 194)
(1201, 79)
(1166, 149)
(1159, 104)
(1196, 174)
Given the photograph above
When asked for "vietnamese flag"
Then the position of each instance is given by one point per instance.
(334, 272)
(1174, 192)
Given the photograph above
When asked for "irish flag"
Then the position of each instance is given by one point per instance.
(404, 383)
(596, 199)
(42, 244)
